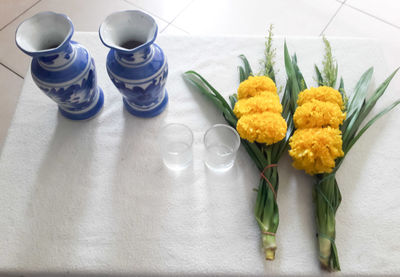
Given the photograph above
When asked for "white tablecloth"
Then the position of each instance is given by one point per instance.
(93, 197)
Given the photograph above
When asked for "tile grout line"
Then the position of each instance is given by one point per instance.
(10, 69)
(330, 20)
(184, 9)
(170, 24)
(373, 16)
(146, 10)
(20, 15)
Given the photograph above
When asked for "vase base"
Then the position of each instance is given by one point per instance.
(149, 113)
(86, 115)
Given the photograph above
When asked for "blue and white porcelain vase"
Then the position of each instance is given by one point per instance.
(61, 68)
(136, 65)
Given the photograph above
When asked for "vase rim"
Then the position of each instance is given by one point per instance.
(66, 37)
(105, 36)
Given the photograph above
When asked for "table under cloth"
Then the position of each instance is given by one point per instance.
(94, 197)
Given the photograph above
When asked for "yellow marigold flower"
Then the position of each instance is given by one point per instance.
(266, 127)
(258, 104)
(315, 150)
(316, 113)
(254, 85)
(323, 93)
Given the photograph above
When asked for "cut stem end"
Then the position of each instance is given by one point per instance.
(270, 254)
(269, 246)
(328, 255)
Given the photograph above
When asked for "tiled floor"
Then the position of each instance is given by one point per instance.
(355, 18)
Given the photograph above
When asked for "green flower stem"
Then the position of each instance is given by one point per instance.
(266, 211)
(327, 193)
(327, 200)
(266, 208)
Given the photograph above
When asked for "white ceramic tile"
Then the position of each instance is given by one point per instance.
(172, 30)
(352, 23)
(10, 89)
(387, 10)
(167, 10)
(10, 9)
(253, 17)
(82, 13)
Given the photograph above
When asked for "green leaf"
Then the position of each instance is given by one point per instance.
(299, 75)
(193, 78)
(233, 100)
(369, 123)
(320, 80)
(341, 86)
(359, 117)
(355, 104)
(247, 69)
(378, 93)
(292, 78)
(216, 93)
(242, 74)
(251, 153)
(336, 72)
(360, 92)
(286, 101)
(204, 90)
(271, 75)
(285, 142)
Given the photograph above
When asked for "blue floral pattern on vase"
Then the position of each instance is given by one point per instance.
(139, 73)
(65, 73)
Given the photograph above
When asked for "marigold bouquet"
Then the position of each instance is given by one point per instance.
(265, 125)
(327, 126)
(320, 124)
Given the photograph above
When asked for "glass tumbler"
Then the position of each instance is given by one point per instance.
(176, 145)
(221, 142)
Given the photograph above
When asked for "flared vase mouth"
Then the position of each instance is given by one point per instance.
(128, 31)
(44, 33)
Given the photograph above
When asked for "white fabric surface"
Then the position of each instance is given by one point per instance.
(94, 196)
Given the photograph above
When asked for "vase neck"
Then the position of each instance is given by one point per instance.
(59, 59)
(136, 57)
(44, 34)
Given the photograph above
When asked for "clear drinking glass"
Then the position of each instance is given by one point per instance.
(176, 145)
(221, 142)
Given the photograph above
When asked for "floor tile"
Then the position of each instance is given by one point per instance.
(253, 17)
(84, 18)
(172, 30)
(10, 9)
(167, 10)
(10, 89)
(352, 23)
(387, 10)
